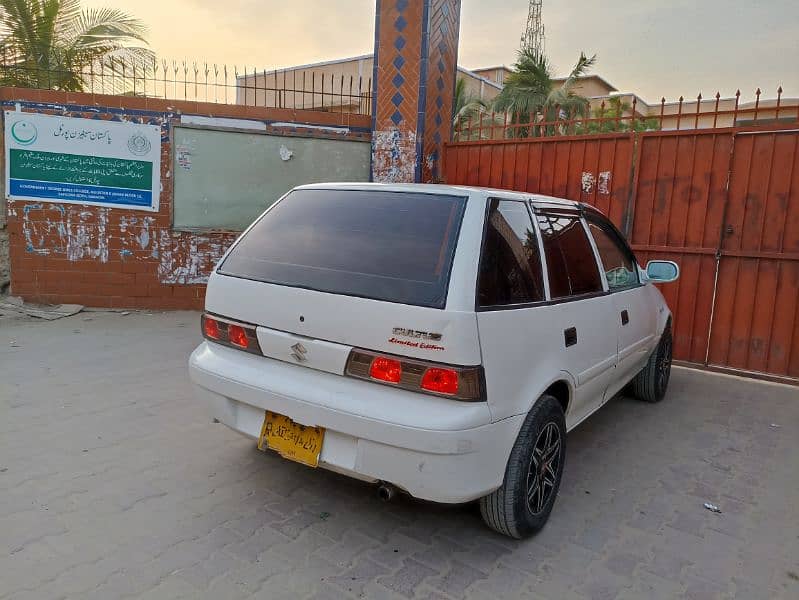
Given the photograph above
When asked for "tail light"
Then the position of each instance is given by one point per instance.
(443, 381)
(237, 336)
(460, 383)
(211, 328)
(230, 333)
(386, 369)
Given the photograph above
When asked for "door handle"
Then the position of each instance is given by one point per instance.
(625, 317)
(570, 336)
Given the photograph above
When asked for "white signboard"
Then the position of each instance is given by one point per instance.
(82, 161)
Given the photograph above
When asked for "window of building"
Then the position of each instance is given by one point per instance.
(510, 265)
(570, 259)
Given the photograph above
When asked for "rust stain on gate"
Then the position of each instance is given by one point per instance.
(722, 203)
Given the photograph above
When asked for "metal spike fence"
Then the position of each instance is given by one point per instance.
(202, 82)
(620, 116)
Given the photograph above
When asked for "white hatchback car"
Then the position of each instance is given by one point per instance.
(437, 339)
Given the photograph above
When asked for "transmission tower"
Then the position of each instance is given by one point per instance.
(533, 38)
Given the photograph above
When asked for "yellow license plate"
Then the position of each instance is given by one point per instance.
(291, 440)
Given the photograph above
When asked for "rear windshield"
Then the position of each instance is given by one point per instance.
(392, 246)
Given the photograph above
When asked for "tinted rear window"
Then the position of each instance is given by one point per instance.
(392, 246)
(570, 259)
(510, 267)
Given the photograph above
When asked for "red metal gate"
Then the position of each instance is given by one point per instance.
(722, 203)
(592, 169)
(680, 190)
(755, 323)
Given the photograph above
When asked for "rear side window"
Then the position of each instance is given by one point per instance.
(392, 246)
(510, 265)
(570, 258)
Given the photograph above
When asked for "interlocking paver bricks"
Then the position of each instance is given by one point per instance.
(114, 483)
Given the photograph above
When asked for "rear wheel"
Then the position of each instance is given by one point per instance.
(521, 506)
(651, 383)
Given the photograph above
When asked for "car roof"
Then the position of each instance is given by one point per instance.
(459, 190)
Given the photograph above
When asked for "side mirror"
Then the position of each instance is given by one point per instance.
(662, 271)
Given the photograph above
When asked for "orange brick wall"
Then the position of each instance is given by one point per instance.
(120, 258)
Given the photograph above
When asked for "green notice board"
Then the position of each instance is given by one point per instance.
(78, 169)
(225, 179)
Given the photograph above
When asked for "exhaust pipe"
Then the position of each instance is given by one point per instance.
(386, 492)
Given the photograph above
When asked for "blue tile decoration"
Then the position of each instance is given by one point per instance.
(397, 99)
(398, 62)
(399, 43)
(396, 117)
(398, 80)
(400, 23)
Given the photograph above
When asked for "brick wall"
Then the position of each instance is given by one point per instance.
(111, 257)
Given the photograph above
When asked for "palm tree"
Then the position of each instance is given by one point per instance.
(530, 93)
(52, 44)
(468, 107)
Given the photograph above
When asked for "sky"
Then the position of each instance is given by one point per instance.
(653, 48)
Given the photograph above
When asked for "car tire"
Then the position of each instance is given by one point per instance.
(518, 508)
(651, 383)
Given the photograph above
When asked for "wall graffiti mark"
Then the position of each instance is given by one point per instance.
(53, 230)
(394, 156)
(587, 181)
(189, 259)
(603, 185)
(87, 235)
(137, 237)
(44, 231)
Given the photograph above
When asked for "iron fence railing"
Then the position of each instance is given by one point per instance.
(616, 114)
(303, 89)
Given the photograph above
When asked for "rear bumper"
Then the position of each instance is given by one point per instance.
(434, 448)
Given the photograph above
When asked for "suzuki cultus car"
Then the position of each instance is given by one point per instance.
(438, 340)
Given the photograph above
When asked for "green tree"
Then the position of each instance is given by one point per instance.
(53, 43)
(467, 112)
(531, 95)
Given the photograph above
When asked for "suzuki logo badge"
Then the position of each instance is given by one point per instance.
(298, 352)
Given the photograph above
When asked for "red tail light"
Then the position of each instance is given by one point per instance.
(211, 328)
(237, 336)
(457, 383)
(443, 381)
(230, 333)
(386, 369)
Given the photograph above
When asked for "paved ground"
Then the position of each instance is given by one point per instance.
(113, 483)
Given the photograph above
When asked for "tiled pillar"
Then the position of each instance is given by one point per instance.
(416, 53)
